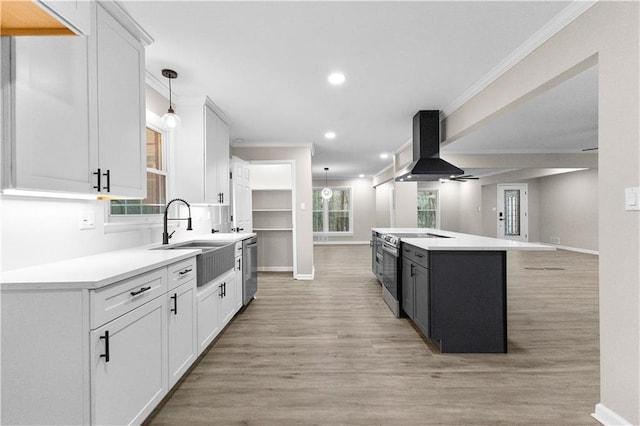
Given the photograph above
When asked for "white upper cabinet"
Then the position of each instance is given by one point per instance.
(51, 132)
(121, 109)
(202, 154)
(221, 153)
(76, 112)
(74, 14)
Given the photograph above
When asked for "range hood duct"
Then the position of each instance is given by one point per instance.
(427, 164)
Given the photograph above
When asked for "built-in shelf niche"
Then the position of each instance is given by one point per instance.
(273, 215)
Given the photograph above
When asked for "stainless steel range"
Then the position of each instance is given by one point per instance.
(392, 267)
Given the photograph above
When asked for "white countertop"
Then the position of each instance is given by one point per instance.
(458, 241)
(91, 272)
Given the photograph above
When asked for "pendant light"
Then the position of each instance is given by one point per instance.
(326, 191)
(170, 119)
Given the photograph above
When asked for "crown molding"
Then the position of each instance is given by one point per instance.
(156, 84)
(118, 11)
(551, 28)
(310, 146)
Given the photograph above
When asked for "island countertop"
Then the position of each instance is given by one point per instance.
(99, 270)
(458, 241)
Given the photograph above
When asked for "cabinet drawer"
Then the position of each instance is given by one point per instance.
(110, 302)
(182, 272)
(239, 248)
(418, 255)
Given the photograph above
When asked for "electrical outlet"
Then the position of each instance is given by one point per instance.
(87, 220)
(554, 240)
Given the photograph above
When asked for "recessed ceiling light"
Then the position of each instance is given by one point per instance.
(361, 175)
(384, 155)
(336, 78)
(330, 135)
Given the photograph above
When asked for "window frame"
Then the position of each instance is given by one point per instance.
(437, 209)
(123, 223)
(325, 213)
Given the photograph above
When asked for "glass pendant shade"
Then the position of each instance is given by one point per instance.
(171, 119)
(327, 193)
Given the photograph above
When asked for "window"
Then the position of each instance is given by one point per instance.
(156, 180)
(334, 215)
(428, 209)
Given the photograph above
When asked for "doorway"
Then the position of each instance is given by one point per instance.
(513, 215)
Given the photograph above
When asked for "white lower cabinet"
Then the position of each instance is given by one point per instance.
(216, 307)
(106, 356)
(228, 298)
(183, 343)
(208, 324)
(129, 365)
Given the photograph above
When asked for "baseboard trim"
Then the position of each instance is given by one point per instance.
(275, 268)
(339, 242)
(307, 277)
(576, 249)
(608, 417)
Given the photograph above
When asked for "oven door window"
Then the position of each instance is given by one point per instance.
(390, 273)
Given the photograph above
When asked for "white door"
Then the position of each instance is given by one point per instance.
(513, 216)
(241, 195)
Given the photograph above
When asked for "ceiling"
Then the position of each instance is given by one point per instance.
(265, 64)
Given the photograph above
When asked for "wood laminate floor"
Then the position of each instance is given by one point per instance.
(329, 352)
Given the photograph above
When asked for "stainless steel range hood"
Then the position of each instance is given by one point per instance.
(427, 164)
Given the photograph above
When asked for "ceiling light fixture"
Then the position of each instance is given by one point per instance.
(326, 191)
(336, 78)
(330, 135)
(361, 175)
(384, 155)
(170, 119)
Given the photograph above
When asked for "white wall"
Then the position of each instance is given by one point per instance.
(406, 202)
(364, 208)
(569, 209)
(383, 205)
(38, 230)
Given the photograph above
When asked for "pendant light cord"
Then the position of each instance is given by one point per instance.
(170, 107)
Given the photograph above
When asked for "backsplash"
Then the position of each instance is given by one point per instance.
(42, 230)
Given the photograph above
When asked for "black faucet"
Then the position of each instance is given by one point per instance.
(165, 234)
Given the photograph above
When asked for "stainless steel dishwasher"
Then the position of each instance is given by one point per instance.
(250, 269)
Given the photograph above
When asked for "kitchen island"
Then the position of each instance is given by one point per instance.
(453, 286)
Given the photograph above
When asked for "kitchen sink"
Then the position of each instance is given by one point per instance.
(217, 257)
(203, 245)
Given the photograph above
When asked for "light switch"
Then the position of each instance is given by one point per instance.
(303, 206)
(632, 198)
(87, 220)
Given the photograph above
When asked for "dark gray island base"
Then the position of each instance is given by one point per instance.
(458, 299)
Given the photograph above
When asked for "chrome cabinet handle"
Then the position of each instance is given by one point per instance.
(186, 271)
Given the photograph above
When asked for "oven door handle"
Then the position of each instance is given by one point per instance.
(390, 250)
